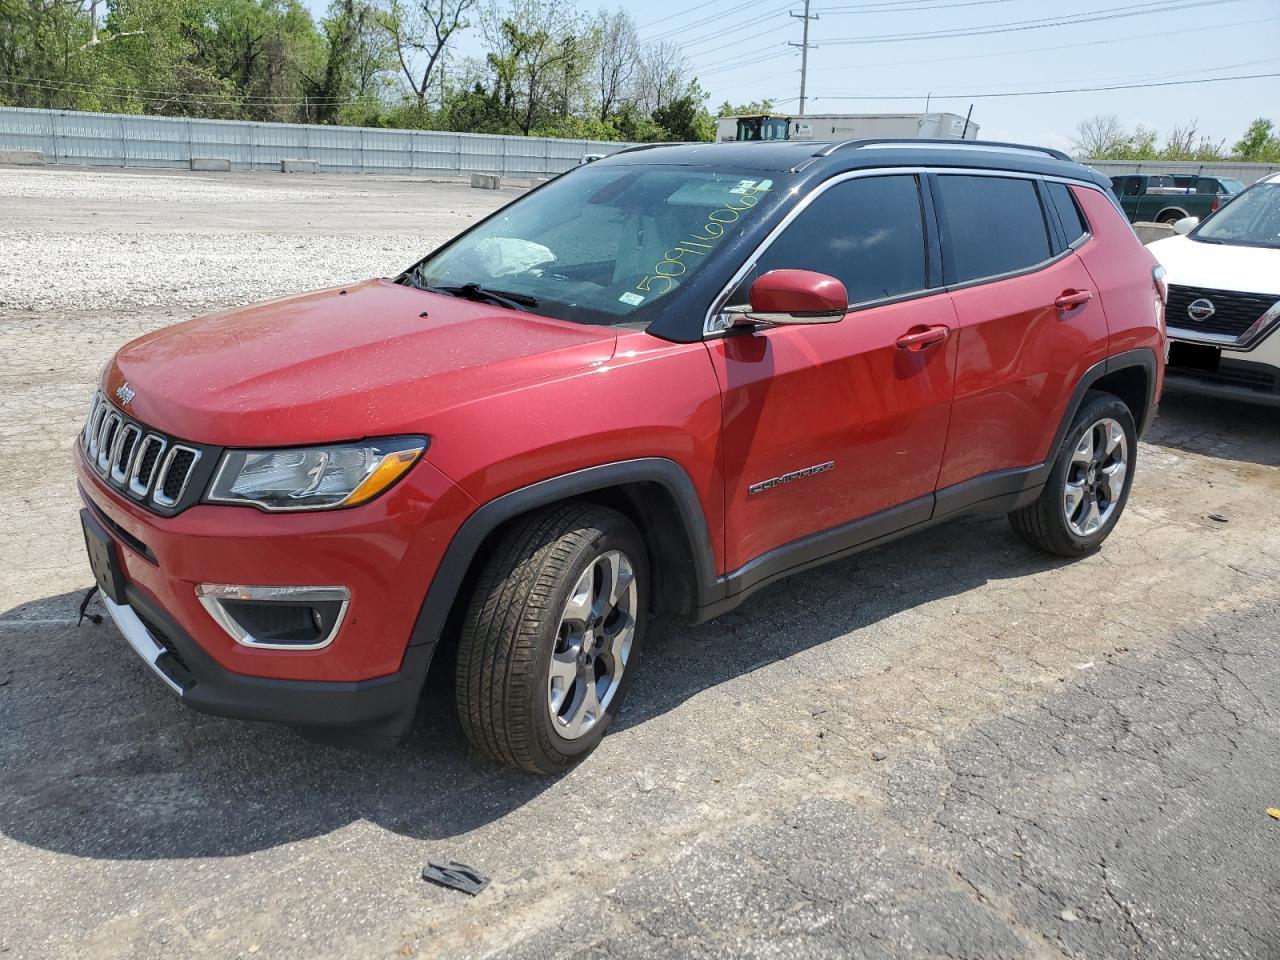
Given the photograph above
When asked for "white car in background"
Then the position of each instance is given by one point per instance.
(1224, 298)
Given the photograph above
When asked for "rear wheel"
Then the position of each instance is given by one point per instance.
(1088, 485)
(550, 640)
(1170, 217)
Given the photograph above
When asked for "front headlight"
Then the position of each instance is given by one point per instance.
(313, 478)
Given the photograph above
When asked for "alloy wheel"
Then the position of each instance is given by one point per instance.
(1095, 477)
(593, 644)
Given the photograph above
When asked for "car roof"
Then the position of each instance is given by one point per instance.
(840, 156)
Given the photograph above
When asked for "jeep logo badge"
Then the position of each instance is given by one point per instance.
(124, 393)
(1200, 310)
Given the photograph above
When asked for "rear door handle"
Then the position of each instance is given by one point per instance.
(1071, 299)
(917, 338)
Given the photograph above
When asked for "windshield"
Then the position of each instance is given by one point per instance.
(1251, 219)
(602, 243)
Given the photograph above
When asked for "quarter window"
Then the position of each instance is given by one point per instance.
(1073, 226)
(867, 232)
(996, 225)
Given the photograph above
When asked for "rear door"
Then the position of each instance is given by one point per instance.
(1030, 321)
(825, 424)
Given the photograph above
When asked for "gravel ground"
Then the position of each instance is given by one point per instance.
(1076, 757)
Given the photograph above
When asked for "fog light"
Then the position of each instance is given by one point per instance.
(276, 618)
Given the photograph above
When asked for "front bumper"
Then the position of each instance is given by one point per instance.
(1251, 375)
(366, 681)
(367, 713)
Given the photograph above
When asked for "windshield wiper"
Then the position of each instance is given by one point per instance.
(503, 298)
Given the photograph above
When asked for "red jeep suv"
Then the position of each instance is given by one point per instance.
(650, 386)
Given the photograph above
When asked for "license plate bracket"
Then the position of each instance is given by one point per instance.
(104, 559)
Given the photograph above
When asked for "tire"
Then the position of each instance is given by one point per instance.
(541, 602)
(1051, 522)
(1170, 218)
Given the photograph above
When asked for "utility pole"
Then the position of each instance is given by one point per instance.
(804, 49)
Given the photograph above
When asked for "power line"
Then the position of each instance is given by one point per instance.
(876, 8)
(705, 20)
(1058, 46)
(725, 31)
(1091, 16)
(682, 13)
(898, 6)
(1046, 93)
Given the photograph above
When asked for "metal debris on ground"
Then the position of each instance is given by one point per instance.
(456, 876)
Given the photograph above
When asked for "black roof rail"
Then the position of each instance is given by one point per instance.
(650, 146)
(958, 144)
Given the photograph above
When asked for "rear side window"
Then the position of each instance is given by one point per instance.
(1073, 226)
(867, 232)
(996, 225)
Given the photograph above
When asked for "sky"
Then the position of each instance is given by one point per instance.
(880, 50)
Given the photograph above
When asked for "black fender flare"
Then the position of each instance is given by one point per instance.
(466, 542)
(1143, 357)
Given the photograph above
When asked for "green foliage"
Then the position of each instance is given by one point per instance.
(686, 118)
(1259, 144)
(745, 110)
(1106, 138)
(548, 69)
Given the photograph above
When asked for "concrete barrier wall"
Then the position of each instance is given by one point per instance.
(1246, 173)
(125, 140)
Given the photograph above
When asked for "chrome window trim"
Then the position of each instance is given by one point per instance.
(710, 326)
(157, 484)
(137, 489)
(119, 468)
(1258, 331)
(211, 596)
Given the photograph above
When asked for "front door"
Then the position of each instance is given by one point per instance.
(826, 424)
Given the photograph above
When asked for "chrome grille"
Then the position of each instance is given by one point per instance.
(1234, 316)
(148, 465)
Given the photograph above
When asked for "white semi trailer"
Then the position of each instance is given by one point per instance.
(846, 126)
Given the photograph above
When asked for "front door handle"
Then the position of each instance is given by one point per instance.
(1071, 299)
(917, 338)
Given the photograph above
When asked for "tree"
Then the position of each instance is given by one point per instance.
(347, 34)
(1259, 144)
(745, 110)
(1100, 137)
(420, 33)
(618, 51)
(664, 75)
(685, 118)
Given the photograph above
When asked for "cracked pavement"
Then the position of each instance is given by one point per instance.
(1078, 756)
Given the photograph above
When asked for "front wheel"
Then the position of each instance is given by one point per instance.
(550, 639)
(1089, 484)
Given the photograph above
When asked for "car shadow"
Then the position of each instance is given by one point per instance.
(101, 761)
(1226, 429)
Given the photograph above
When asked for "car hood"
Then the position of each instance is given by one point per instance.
(375, 359)
(1219, 266)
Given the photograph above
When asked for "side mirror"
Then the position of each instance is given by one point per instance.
(1185, 225)
(796, 296)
